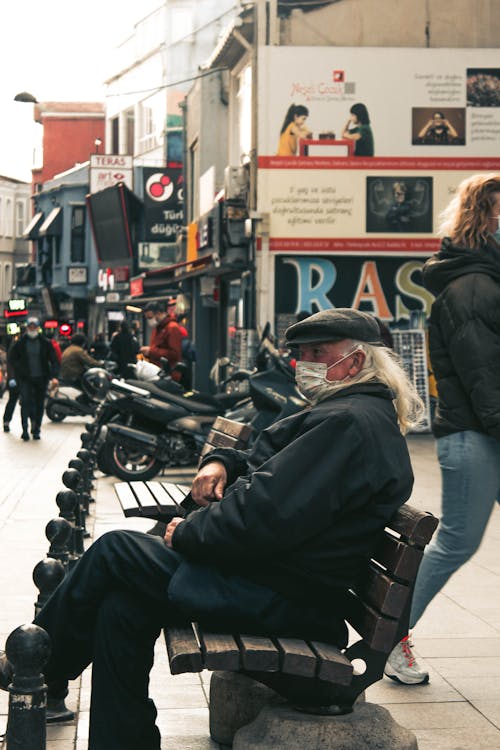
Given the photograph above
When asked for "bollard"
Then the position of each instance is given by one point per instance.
(79, 466)
(58, 532)
(67, 501)
(88, 458)
(72, 479)
(27, 650)
(47, 575)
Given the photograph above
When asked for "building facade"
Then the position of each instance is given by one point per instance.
(14, 249)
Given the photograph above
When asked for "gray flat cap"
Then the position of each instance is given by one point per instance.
(334, 325)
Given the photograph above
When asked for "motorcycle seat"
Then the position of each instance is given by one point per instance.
(208, 405)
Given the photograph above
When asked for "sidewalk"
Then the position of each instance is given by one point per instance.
(458, 637)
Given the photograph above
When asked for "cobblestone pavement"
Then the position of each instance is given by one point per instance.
(458, 638)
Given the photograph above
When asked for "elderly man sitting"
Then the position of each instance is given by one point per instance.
(281, 533)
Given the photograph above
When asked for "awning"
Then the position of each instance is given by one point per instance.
(31, 231)
(52, 226)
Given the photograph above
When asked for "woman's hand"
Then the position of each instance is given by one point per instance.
(209, 483)
(170, 530)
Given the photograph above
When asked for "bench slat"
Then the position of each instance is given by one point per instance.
(259, 654)
(414, 525)
(127, 499)
(184, 653)
(143, 494)
(333, 666)
(380, 591)
(401, 560)
(378, 631)
(177, 492)
(296, 657)
(220, 651)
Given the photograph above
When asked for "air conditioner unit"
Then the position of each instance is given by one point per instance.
(236, 183)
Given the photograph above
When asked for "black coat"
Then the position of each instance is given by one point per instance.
(48, 359)
(464, 337)
(306, 503)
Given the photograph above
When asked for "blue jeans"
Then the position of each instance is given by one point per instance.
(470, 473)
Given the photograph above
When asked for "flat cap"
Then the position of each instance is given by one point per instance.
(154, 307)
(33, 321)
(334, 325)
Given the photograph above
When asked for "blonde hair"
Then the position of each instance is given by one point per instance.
(384, 366)
(465, 219)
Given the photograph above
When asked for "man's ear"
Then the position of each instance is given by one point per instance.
(358, 361)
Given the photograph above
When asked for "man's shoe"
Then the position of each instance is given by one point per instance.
(5, 672)
(36, 436)
(25, 436)
(57, 711)
(403, 667)
(6, 427)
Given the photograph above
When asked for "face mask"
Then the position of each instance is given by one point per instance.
(32, 334)
(311, 376)
(152, 322)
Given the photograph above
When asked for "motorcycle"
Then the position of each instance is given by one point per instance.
(68, 399)
(179, 424)
(132, 453)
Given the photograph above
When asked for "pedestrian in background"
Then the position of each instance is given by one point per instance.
(34, 361)
(166, 338)
(99, 348)
(75, 360)
(12, 387)
(464, 344)
(124, 349)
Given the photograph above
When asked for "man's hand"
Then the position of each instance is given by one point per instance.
(170, 530)
(144, 350)
(209, 483)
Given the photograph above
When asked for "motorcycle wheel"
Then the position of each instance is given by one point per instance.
(102, 460)
(54, 413)
(130, 464)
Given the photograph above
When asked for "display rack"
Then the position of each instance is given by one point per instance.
(411, 347)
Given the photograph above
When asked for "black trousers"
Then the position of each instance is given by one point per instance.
(111, 607)
(11, 404)
(32, 392)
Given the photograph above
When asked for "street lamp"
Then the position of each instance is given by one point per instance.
(97, 143)
(25, 96)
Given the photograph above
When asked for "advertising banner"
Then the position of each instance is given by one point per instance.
(416, 123)
(163, 203)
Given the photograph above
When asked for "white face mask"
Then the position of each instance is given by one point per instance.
(152, 322)
(311, 376)
(32, 334)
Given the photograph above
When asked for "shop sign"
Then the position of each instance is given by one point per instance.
(77, 274)
(16, 305)
(390, 288)
(107, 170)
(113, 297)
(163, 203)
(137, 287)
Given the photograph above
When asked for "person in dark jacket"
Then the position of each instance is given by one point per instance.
(124, 349)
(12, 386)
(34, 361)
(76, 360)
(464, 344)
(282, 531)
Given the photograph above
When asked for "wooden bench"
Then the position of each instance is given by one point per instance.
(378, 610)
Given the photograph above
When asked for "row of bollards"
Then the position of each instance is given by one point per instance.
(28, 646)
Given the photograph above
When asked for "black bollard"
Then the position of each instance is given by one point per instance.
(58, 532)
(73, 479)
(88, 458)
(27, 649)
(66, 501)
(47, 575)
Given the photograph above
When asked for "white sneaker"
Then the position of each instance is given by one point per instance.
(402, 665)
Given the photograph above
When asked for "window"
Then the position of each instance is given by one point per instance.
(194, 174)
(244, 111)
(1, 217)
(152, 122)
(20, 218)
(77, 250)
(115, 136)
(9, 218)
(7, 280)
(55, 242)
(129, 131)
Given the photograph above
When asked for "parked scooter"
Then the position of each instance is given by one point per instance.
(71, 400)
(179, 424)
(132, 453)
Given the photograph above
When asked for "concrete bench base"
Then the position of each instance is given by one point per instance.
(368, 727)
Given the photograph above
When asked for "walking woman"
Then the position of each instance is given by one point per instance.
(464, 343)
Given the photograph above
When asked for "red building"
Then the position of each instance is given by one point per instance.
(70, 130)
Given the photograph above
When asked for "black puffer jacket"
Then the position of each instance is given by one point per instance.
(464, 337)
(306, 503)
